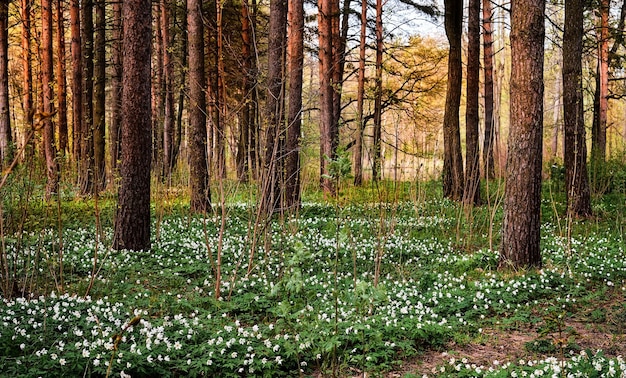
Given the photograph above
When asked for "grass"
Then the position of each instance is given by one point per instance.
(372, 281)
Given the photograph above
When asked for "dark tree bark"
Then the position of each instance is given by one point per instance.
(600, 104)
(47, 78)
(471, 193)
(99, 97)
(61, 79)
(183, 90)
(168, 115)
(87, 163)
(220, 98)
(326, 94)
(199, 175)
(77, 84)
(5, 118)
(358, 145)
(117, 55)
(378, 96)
(453, 160)
(577, 182)
(157, 96)
(274, 164)
(132, 222)
(489, 140)
(522, 198)
(27, 73)
(294, 118)
(243, 145)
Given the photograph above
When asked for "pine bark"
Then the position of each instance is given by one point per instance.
(245, 122)
(326, 94)
(453, 160)
(168, 115)
(132, 222)
(471, 194)
(358, 145)
(77, 84)
(117, 55)
(294, 118)
(61, 77)
(577, 182)
(522, 198)
(47, 78)
(5, 118)
(598, 131)
(274, 162)
(27, 73)
(199, 175)
(87, 163)
(378, 96)
(99, 96)
(488, 53)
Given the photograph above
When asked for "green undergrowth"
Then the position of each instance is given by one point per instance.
(347, 284)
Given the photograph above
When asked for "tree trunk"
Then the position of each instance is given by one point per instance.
(5, 118)
(99, 97)
(600, 105)
(522, 198)
(274, 164)
(220, 98)
(61, 78)
(488, 52)
(27, 73)
(557, 115)
(378, 94)
(471, 194)
(577, 182)
(452, 159)
(183, 91)
(198, 171)
(326, 93)
(77, 85)
(157, 97)
(87, 162)
(117, 56)
(132, 222)
(358, 145)
(52, 171)
(168, 115)
(243, 146)
(294, 118)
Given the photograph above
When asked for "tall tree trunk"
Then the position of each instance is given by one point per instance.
(243, 145)
(77, 85)
(27, 72)
(183, 90)
(168, 116)
(453, 160)
(575, 157)
(378, 96)
(557, 115)
(157, 97)
(5, 118)
(471, 194)
(294, 118)
(488, 52)
(326, 93)
(274, 164)
(522, 197)
(132, 222)
(600, 105)
(220, 98)
(61, 78)
(47, 76)
(87, 130)
(117, 56)
(99, 97)
(199, 175)
(358, 145)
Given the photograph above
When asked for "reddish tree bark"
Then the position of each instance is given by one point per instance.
(99, 96)
(61, 79)
(378, 96)
(598, 131)
(47, 77)
(117, 55)
(358, 145)
(489, 140)
(5, 119)
(522, 197)
(77, 82)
